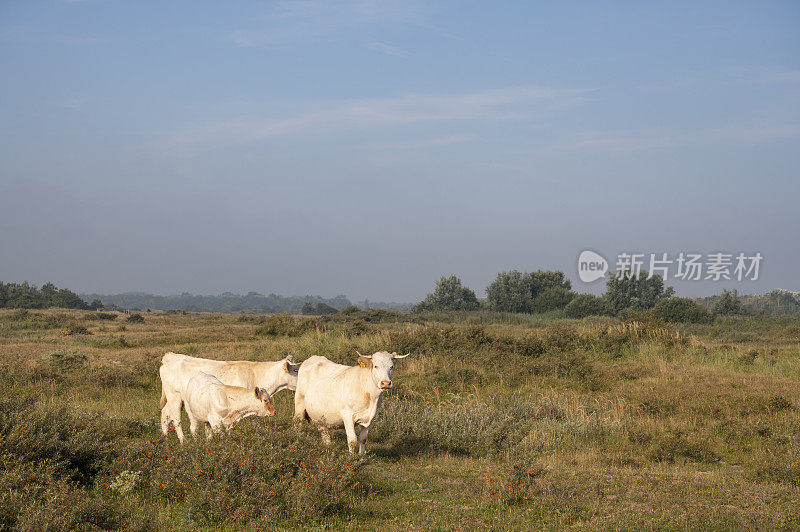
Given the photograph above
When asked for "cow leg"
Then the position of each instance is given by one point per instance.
(193, 424)
(325, 433)
(299, 407)
(215, 425)
(350, 429)
(362, 440)
(172, 413)
(165, 420)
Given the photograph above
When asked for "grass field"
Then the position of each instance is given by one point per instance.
(496, 421)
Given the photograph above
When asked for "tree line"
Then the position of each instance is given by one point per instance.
(225, 302)
(24, 295)
(546, 291)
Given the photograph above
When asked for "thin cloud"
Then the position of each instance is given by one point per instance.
(419, 144)
(31, 34)
(627, 142)
(300, 22)
(387, 49)
(759, 133)
(516, 103)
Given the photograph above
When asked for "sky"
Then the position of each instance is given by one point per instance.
(367, 148)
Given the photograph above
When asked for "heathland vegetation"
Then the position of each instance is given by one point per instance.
(534, 408)
(497, 420)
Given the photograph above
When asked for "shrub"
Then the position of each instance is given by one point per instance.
(350, 309)
(521, 482)
(259, 471)
(285, 325)
(75, 328)
(681, 310)
(627, 291)
(77, 448)
(552, 298)
(68, 361)
(728, 303)
(100, 316)
(778, 403)
(449, 294)
(135, 318)
(674, 447)
(748, 358)
(497, 427)
(321, 309)
(583, 305)
(513, 291)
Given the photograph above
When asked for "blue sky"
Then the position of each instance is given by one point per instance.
(369, 147)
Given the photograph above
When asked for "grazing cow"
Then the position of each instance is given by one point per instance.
(218, 406)
(176, 371)
(331, 394)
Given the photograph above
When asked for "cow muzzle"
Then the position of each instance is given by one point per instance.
(385, 385)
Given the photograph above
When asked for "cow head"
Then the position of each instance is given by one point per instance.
(268, 409)
(291, 368)
(381, 367)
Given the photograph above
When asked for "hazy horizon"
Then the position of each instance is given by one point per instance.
(367, 148)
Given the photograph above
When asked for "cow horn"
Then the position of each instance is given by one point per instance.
(400, 356)
(365, 356)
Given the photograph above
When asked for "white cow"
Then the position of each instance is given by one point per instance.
(176, 371)
(218, 406)
(331, 394)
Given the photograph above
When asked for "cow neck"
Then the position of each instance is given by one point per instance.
(262, 370)
(365, 374)
(234, 394)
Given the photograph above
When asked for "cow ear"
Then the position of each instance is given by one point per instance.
(364, 362)
(258, 393)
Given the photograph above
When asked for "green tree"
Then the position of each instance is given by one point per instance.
(323, 309)
(728, 303)
(682, 310)
(537, 291)
(627, 291)
(583, 305)
(449, 294)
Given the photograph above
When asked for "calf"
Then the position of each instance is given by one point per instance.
(219, 406)
(176, 371)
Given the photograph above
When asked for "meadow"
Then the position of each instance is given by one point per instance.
(498, 421)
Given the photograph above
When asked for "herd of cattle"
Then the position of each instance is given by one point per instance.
(218, 393)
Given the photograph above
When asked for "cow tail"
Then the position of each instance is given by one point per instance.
(163, 398)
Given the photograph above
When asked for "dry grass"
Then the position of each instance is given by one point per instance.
(500, 421)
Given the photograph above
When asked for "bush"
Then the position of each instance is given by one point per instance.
(135, 318)
(584, 305)
(681, 310)
(285, 325)
(552, 298)
(321, 309)
(449, 294)
(350, 309)
(259, 471)
(521, 482)
(50, 460)
(627, 291)
(100, 316)
(728, 304)
(513, 291)
(75, 328)
(78, 448)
